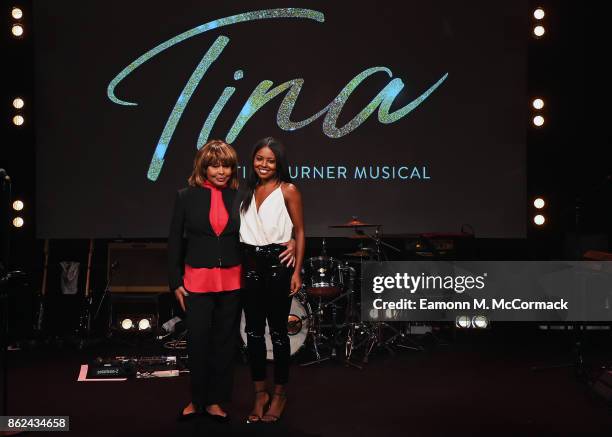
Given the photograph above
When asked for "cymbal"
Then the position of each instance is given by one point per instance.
(354, 223)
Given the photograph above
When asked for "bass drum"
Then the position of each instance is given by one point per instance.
(298, 326)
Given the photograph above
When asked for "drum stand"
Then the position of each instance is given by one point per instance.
(349, 321)
(404, 340)
(402, 337)
(320, 340)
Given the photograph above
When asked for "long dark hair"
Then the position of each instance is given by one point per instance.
(282, 168)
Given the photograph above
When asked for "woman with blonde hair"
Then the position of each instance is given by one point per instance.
(205, 274)
(204, 263)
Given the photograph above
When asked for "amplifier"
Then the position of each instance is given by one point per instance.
(138, 267)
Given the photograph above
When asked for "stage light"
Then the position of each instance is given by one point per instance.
(538, 103)
(480, 322)
(18, 103)
(539, 219)
(17, 30)
(390, 314)
(18, 120)
(539, 203)
(463, 322)
(18, 222)
(374, 313)
(127, 324)
(17, 13)
(144, 324)
(539, 31)
(538, 120)
(17, 205)
(538, 14)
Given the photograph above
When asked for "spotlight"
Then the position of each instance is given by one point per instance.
(135, 323)
(538, 14)
(18, 120)
(144, 324)
(127, 324)
(463, 322)
(538, 120)
(539, 203)
(17, 13)
(391, 314)
(17, 205)
(374, 313)
(18, 222)
(538, 103)
(539, 219)
(18, 103)
(539, 31)
(17, 30)
(480, 322)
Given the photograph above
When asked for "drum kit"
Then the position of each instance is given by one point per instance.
(325, 314)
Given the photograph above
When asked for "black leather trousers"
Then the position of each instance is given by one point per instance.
(266, 297)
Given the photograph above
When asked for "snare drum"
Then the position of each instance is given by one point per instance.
(323, 276)
(298, 325)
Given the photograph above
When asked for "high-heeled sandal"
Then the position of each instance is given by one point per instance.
(266, 405)
(276, 418)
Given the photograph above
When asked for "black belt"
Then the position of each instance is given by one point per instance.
(270, 251)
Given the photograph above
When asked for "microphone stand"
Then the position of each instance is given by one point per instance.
(577, 362)
(105, 293)
(88, 320)
(7, 278)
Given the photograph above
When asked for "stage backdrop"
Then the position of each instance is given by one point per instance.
(409, 114)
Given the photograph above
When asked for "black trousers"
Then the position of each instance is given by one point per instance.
(266, 297)
(212, 323)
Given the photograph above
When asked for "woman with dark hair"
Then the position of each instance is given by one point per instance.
(270, 212)
(205, 274)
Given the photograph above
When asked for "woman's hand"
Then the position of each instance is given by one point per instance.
(296, 283)
(180, 294)
(288, 255)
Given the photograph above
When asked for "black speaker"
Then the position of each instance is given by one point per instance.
(139, 267)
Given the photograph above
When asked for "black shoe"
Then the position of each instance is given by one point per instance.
(216, 417)
(187, 417)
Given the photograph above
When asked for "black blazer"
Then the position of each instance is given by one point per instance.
(192, 240)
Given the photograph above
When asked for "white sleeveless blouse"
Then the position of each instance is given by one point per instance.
(270, 225)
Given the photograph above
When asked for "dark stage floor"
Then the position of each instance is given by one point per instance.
(478, 384)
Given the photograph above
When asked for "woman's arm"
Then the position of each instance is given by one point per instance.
(293, 200)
